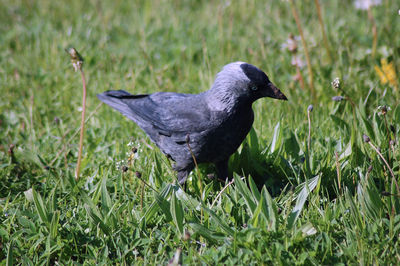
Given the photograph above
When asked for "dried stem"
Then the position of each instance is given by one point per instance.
(338, 169)
(77, 63)
(222, 190)
(73, 136)
(78, 165)
(303, 40)
(321, 22)
(300, 76)
(388, 133)
(390, 169)
(144, 182)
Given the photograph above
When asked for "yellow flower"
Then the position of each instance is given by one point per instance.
(387, 73)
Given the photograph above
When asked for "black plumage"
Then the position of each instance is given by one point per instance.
(213, 123)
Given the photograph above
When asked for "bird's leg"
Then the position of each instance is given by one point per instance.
(182, 176)
(222, 170)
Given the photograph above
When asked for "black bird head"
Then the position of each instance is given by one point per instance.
(241, 82)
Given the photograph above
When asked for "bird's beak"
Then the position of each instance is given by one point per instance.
(274, 92)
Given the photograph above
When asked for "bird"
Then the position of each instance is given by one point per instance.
(199, 128)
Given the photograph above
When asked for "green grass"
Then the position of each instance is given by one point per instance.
(303, 215)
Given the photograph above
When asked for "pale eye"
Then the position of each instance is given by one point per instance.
(254, 88)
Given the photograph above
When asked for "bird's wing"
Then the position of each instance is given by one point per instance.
(170, 114)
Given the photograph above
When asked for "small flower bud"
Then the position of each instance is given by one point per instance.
(337, 98)
(124, 168)
(310, 108)
(138, 174)
(366, 138)
(134, 150)
(187, 138)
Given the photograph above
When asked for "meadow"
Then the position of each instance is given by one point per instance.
(315, 182)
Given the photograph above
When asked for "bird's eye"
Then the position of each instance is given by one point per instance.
(253, 88)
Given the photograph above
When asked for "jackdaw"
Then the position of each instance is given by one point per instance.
(209, 126)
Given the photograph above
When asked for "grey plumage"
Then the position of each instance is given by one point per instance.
(214, 123)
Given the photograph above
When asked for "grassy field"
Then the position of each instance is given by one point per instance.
(330, 194)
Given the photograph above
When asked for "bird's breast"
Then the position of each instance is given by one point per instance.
(224, 139)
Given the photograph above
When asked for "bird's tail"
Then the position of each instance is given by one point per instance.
(118, 101)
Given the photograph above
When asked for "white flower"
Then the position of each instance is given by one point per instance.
(366, 4)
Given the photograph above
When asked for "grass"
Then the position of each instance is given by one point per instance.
(334, 201)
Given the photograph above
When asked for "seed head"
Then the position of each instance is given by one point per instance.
(336, 83)
(366, 138)
(124, 168)
(383, 109)
(138, 174)
(76, 58)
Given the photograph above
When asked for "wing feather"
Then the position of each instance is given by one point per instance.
(170, 114)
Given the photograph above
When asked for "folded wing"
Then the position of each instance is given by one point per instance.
(168, 114)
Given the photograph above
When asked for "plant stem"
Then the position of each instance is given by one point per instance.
(338, 169)
(78, 165)
(303, 40)
(73, 136)
(321, 22)
(300, 76)
(390, 169)
(388, 134)
(220, 193)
